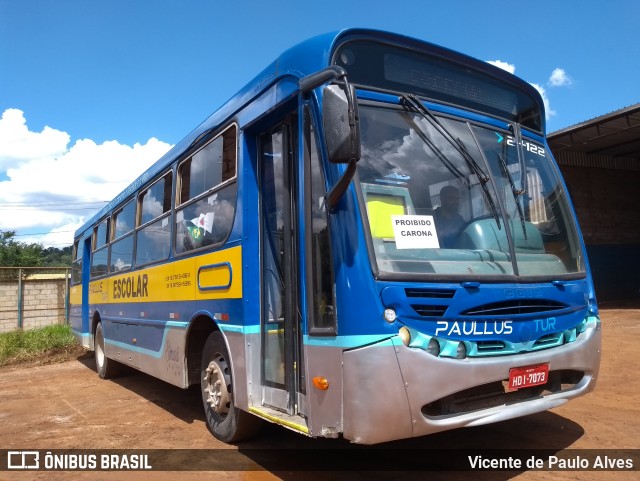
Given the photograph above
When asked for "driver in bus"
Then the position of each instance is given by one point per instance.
(449, 222)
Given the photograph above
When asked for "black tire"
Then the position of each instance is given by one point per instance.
(107, 368)
(225, 421)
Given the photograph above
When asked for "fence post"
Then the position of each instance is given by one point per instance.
(66, 296)
(20, 299)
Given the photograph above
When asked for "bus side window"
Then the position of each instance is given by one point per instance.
(78, 255)
(101, 234)
(100, 255)
(121, 250)
(207, 194)
(99, 262)
(323, 318)
(153, 237)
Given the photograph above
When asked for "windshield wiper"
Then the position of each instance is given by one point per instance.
(441, 157)
(523, 174)
(415, 104)
(516, 193)
(523, 168)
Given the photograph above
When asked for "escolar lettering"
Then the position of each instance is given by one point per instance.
(133, 286)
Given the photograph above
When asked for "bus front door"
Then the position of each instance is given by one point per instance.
(279, 326)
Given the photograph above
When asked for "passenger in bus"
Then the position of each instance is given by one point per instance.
(449, 222)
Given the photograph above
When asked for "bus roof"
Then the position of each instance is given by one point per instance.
(303, 59)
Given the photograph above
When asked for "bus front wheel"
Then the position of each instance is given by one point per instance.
(107, 368)
(225, 421)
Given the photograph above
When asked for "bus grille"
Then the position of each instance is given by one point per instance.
(485, 347)
(430, 293)
(515, 307)
(550, 340)
(494, 394)
(429, 310)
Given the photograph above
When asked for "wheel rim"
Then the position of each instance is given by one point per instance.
(217, 381)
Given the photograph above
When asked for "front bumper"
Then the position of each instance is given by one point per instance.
(390, 390)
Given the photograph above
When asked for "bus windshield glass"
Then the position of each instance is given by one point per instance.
(450, 198)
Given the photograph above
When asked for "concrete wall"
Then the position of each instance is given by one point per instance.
(43, 303)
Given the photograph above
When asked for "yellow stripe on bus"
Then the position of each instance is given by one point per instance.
(216, 275)
(75, 295)
(284, 422)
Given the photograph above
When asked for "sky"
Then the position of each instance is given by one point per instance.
(92, 92)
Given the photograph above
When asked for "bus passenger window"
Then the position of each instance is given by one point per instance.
(121, 254)
(76, 268)
(153, 239)
(207, 221)
(153, 242)
(124, 220)
(101, 234)
(100, 254)
(156, 200)
(207, 194)
(202, 171)
(209, 167)
(99, 262)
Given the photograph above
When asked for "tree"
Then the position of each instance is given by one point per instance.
(54, 257)
(19, 254)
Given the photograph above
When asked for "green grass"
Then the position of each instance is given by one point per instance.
(18, 345)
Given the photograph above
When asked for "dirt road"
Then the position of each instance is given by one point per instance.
(66, 405)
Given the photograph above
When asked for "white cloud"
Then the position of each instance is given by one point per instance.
(18, 144)
(58, 237)
(503, 65)
(558, 75)
(51, 187)
(559, 78)
(547, 106)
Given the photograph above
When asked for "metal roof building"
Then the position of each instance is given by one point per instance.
(609, 140)
(600, 159)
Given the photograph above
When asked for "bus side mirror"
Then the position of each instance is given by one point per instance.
(341, 123)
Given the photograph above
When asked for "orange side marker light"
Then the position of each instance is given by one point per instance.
(321, 383)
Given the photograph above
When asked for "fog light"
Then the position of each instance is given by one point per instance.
(461, 352)
(434, 347)
(405, 335)
(390, 315)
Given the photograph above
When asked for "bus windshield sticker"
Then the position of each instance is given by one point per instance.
(415, 232)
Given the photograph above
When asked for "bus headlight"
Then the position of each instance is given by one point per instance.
(405, 335)
(434, 347)
(461, 352)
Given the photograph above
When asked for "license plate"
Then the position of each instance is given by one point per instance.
(521, 377)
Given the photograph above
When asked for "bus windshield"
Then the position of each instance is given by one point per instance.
(451, 198)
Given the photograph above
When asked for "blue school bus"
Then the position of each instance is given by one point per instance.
(370, 240)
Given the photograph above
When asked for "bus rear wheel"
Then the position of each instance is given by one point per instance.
(225, 421)
(107, 368)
